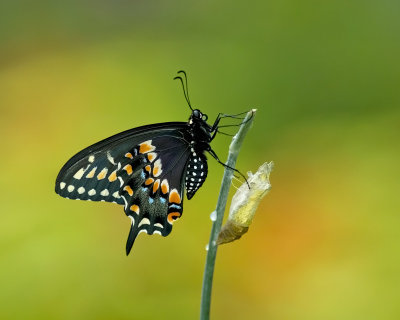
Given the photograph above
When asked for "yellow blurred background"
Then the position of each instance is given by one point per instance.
(325, 78)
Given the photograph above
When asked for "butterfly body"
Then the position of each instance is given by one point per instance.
(145, 169)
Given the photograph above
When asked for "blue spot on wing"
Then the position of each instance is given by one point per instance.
(173, 205)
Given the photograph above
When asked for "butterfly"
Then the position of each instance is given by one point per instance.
(145, 169)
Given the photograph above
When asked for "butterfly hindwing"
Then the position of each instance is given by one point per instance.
(153, 191)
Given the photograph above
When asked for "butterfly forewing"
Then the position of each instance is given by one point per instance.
(91, 171)
(92, 178)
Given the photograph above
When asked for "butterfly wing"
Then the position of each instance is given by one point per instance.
(93, 167)
(142, 169)
(153, 192)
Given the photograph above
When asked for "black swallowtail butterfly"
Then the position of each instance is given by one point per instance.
(145, 169)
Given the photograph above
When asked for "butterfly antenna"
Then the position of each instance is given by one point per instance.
(185, 88)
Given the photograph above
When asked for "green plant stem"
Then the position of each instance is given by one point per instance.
(220, 209)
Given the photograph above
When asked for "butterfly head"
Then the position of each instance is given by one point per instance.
(198, 116)
(199, 126)
(198, 119)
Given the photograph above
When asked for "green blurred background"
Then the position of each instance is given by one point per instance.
(325, 78)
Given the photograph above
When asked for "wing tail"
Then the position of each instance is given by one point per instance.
(133, 232)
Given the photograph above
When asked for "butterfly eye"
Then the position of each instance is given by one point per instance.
(205, 117)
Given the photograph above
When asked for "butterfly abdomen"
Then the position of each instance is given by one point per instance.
(196, 173)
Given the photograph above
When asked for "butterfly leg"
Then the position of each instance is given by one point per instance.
(214, 155)
(224, 115)
(215, 126)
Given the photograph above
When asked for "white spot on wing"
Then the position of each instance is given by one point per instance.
(62, 185)
(159, 225)
(143, 230)
(144, 221)
(70, 188)
(81, 190)
(121, 181)
(157, 232)
(116, 195)
(110, 158)
(92, 192)
(79, 174)
(91, 159)
(104, 193)
(126, 202)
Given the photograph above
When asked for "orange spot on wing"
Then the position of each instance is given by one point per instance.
(129, 155)
(157, 168)
(149, 181)
(156, 185)
(135, 208)
(128, 169)
(173, 216)
(151, 156)
(148, 168)
(91, 173)
(102, 174)
(129, 190)
(155, 171)
(164, 186)
(174, 196)
(113, 176)
(146, 147)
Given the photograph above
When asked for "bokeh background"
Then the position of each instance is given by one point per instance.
(325, 78)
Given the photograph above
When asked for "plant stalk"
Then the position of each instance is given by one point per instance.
(234, 149)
